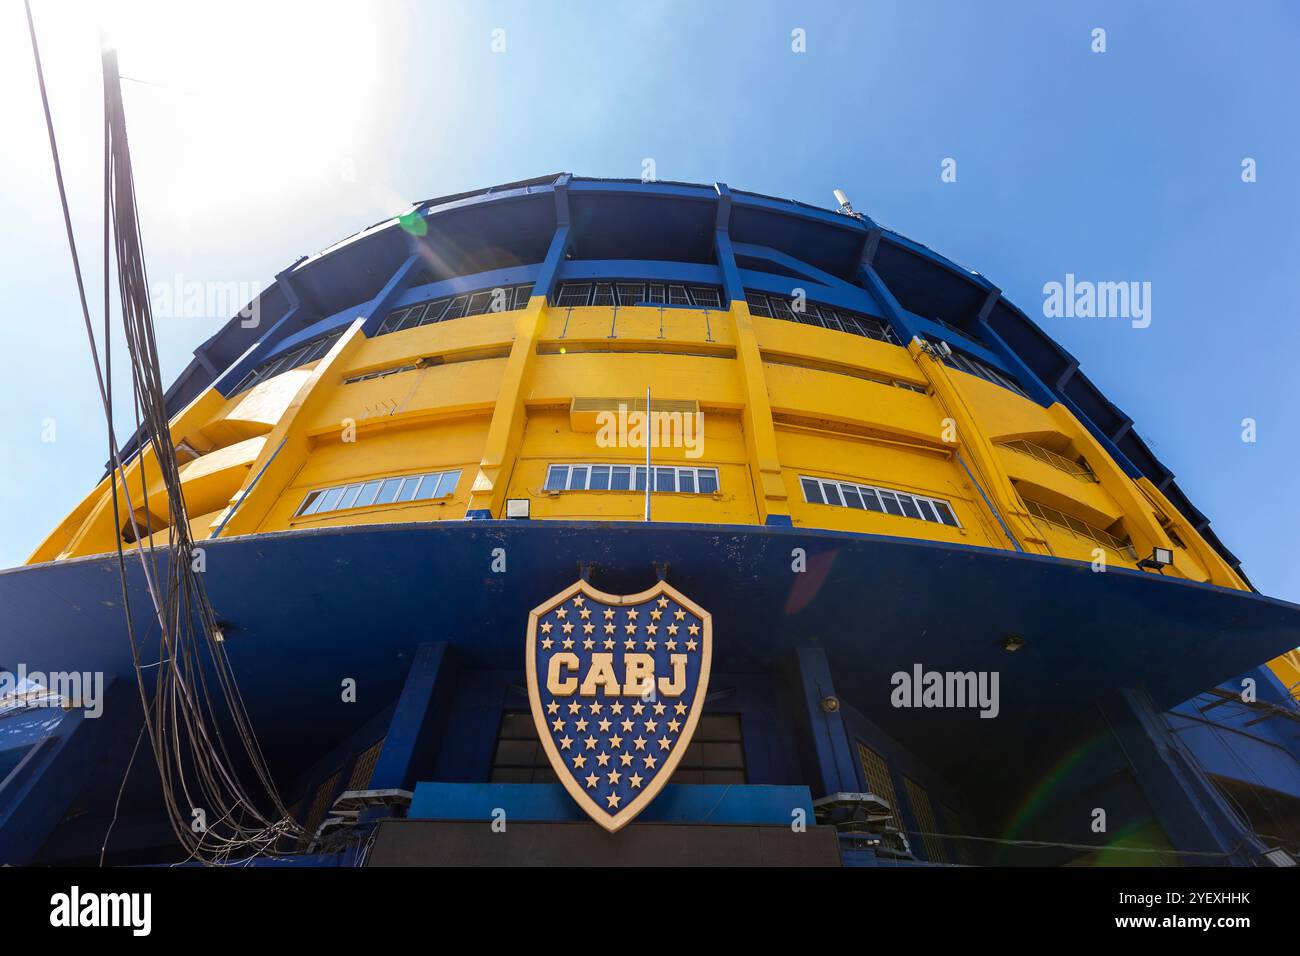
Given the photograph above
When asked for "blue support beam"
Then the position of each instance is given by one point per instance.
(561, 243)
(898, 316)
(1009, 357)
(386, 298)
(1189, 807)
(412, 735)
(260, 350)
(732, 288)
(827, 746)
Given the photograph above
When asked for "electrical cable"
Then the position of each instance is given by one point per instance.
(193, 693)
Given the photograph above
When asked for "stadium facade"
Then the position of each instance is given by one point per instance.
(880, 481)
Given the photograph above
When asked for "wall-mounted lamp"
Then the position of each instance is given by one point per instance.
(1160, 558)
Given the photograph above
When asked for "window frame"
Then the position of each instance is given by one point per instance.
(635, 475)
(314, 502)
(880, 500)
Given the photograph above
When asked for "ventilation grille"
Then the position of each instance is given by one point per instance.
(583, 412)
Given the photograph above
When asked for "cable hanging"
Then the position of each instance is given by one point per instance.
(189, 694)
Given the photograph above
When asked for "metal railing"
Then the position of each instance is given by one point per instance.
(1079, 470)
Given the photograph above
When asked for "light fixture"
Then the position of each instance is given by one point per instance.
(517, 507)
(1160, 558)
(830, 703)
(1013, 642)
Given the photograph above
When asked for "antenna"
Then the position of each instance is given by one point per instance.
(842, 198)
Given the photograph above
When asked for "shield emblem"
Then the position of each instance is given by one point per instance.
(616, 684)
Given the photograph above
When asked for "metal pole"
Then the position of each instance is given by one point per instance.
(649, 477)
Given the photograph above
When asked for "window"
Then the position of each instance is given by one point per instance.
(716, 753)
(574, 294)
(481, 302)
(321, 802)
(923, 813)
(706, 297)
(879, 782)
(824, 491)
(630, 293)
(364, 766)
(758, 305)
(670, 478)
(982, 370)
(362, 494)
(838, 320)
(519, 757)
(456, 308)
(1079, 529)
(309, 352)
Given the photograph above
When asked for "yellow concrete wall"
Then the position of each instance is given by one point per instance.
(491, 396)
(548, 439)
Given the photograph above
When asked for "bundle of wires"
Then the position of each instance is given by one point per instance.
(195, 719)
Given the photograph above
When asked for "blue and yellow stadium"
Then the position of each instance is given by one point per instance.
(961, 614)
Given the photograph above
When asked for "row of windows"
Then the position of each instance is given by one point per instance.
(822, 491)
(380, 491)
(1078, 469)
(716, 753)
(500, 299)
(638, 293)
(987, 372)
(1080, 529)
(814, 313)
(308, 352)
(688, 480)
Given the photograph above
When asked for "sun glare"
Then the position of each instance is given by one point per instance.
(243, 101)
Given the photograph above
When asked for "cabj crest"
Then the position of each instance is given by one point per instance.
(616, 684)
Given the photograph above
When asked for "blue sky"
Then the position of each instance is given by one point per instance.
(260, 136)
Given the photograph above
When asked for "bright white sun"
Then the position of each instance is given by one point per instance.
(242, 101)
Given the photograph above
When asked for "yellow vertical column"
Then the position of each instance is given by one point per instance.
(288, 445)
(1217, 570)
(760, 434)
(1140, 519)
(509, 416)
(982, 458)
